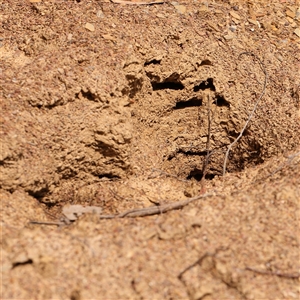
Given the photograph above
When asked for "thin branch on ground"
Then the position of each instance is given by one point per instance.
(252, 112)
(199, 261)
(274, 273)
(155, 210)
(47, 223)
(206, 161)
(286, 163)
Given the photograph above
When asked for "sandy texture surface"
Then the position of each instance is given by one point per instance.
(129, 105)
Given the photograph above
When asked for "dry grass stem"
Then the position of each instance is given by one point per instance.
(252, 112)
(154, 210)
(275, 273)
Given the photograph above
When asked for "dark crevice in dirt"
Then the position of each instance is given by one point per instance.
(48, 106)
(152, 62)
(198, 175)
(171, 83)
(40, 194)
(205, 62)
(50, 205)
(88, 95)
(221, 101)
(167, 85)
(193, 102)
(187, 152)
(204, 85)
(108, 176)
(231, 134)
(18, 264)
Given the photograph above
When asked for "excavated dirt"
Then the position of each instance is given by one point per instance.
(129, 105)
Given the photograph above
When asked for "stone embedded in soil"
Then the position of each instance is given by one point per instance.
(235, 15)
(90, 27)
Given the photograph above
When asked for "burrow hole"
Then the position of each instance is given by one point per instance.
(198, 175)
(204, 85)
(193, 102)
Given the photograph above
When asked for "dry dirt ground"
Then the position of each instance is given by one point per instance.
(128, 105)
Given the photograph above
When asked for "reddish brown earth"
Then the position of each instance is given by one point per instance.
(118, 106)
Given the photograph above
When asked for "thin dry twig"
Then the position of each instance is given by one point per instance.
(252, 112)
(286, 163)
(194, 264)
(154, 210)
(199, 261)
(274, 273)
(206, 161)
(47, 223)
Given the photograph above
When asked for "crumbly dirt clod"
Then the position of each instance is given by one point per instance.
(129, 105)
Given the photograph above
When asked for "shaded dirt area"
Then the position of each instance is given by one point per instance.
(126, 106)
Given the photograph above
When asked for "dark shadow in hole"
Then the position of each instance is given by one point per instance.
(198, 174)
(204, 85)
(167, 85)
(193, 102)
(17, 264)
(40, 194)
(108, 176)
(152, 62)
(49, 205)
(88, 95)
(205, 62)
(189, 152)
(221, 101)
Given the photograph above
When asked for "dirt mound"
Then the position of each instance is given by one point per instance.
(133, 106)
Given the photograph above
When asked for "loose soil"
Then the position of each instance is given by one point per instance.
(129, 105)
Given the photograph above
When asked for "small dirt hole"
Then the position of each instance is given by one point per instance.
(152, 62)
(204, 85)
(193, 102)
(198, 174)
(167, 85)
(108, 176)
(88, 95)
(39, 194)
(206, 62)
(221, 101)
